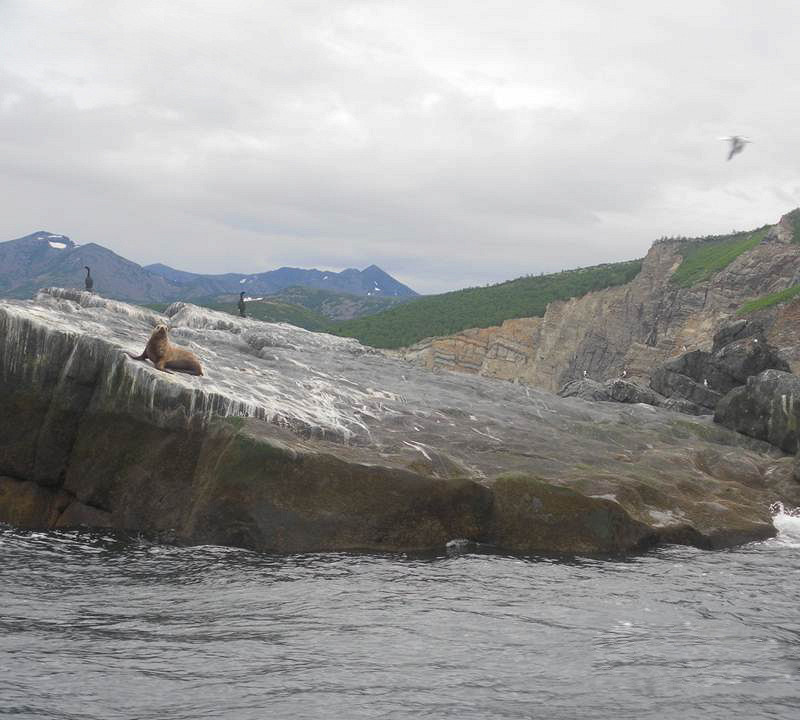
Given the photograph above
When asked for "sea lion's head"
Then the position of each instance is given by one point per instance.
(160, 332)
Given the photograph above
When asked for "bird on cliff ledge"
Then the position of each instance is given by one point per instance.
(737, 144)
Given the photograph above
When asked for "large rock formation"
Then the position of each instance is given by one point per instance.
(694, 382)
(701, 378)
(617, 390)
(296, 441)
(635, 327)
(767, 408)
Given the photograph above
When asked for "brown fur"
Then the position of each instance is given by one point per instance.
(166, 356)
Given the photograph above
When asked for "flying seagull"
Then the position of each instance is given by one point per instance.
(737, 144)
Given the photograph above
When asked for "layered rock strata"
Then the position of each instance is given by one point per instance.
(635, 327)
(696, 381)
(295, 441)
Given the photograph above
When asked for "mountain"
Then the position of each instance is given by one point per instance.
(686, 290)
(29, 257)
(45, 259)
(369, 282)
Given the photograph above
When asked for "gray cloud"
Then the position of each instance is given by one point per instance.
(451, 143)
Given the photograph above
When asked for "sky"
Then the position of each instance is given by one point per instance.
(453, 144)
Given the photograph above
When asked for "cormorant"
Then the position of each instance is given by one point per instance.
(89, 282)
(241, 305)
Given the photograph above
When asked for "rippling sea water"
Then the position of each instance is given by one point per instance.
(95, 626)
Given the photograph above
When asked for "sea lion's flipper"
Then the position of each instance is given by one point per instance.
(161, 365)
(143, 356)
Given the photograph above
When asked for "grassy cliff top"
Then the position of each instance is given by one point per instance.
(705, 257)
(482, 306)
(765, 301)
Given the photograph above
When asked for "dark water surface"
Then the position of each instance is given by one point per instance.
(97, 627)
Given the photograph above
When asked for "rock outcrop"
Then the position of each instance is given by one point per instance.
(295, 441)
(696, 381)
(767, 408)
(702, 378)
(617, 390)
(636, 327)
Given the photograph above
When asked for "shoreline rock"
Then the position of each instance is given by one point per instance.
(300, 442)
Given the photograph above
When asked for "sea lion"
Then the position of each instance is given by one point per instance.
(166, 356)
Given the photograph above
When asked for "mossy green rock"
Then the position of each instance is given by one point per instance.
(533, 516)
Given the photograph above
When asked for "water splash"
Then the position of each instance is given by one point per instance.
(787, 523)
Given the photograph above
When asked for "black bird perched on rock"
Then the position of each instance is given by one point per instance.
(89, 282)
(241, 305)
(737, 144)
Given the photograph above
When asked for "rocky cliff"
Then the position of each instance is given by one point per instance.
(296, 441)
(634, 327)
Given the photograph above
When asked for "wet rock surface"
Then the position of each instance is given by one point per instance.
(296, 441)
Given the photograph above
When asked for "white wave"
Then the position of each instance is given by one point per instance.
(787, 523)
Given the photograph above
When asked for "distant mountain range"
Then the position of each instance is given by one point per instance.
(371, 281)
(46, 259)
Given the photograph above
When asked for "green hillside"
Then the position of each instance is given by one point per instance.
(703, 258)
(481, 306)
(335, 305)
(766, 301)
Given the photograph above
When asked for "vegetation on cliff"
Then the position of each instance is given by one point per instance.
(482, 306)
(705, 257)
(766, 301)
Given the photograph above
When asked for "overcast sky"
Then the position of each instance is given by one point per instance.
(451, 143)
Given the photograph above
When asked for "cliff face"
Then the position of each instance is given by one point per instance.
(634, 327)
(296, 441)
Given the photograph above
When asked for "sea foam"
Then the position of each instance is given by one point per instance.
(787, 523)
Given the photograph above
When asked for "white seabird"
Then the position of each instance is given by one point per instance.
(737, 144)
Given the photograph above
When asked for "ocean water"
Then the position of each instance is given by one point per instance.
(99, 626)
